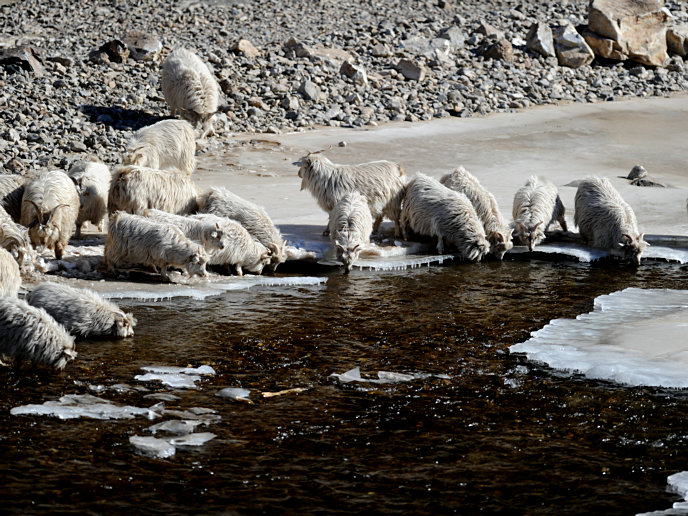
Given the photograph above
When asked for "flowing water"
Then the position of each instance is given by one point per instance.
(472, 428)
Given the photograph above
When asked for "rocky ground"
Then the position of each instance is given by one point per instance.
(289, 76)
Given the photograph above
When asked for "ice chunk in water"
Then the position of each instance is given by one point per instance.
(678, 482)
(175, 377)
(619, 341)
(235, 393)
(207, 416)
(84, 405)
(198, 439)
(152, 446)
(354, 375)
(175, 426)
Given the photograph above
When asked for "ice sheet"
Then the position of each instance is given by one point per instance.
(235, 393)
(74, 406)
(175, 377)
(619, 341)
(354, 375)
(152, 446)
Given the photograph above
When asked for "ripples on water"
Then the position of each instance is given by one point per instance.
(498, 435)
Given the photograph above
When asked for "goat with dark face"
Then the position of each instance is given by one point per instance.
(50, 209)
(606, 221)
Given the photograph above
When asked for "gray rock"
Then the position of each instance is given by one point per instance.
(455, 36)
(354, 72)
(540, 39)
(411, 70)
(113, 51)
(309, 90)
(603, 47)
(638, 171)
(143, 46)
(572, 50)
(21, 58)
(496, 47)
(297, 48)
(246, 48)
(677, 40)
(381, 50)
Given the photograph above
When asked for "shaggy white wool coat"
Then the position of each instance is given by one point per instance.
(134, 189)
(11, 194)
(220, 201)
(350, 227)
(133, 239)
(485, 204)
(15, 239)
(82, 312)
(92, 180)
(30, 333)
(240, 250)
(165, 144)
(537, 205)
(190, 88)
(381, 182)
(50, 209)
(10, 277)
(431, 209)
(207, 233)
(606, 221)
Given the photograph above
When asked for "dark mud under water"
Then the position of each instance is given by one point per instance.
(497, 434)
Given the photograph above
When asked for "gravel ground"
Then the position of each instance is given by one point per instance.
(81, 106)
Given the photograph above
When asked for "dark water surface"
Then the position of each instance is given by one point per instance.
(497, 434)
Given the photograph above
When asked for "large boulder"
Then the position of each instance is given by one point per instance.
(571, 48)
(603, 47)
(21, 58)
(638, 26)
(677, 40)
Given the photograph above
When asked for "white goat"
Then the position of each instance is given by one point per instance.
(15, 238)
(537, 205)
(220, 201)
(11, 194)
(606, 221)
(433, 210)
(82, 312)
(207, 233)
(381, 182)
(485, 204)
(92, 180)
(190, 89)
(350, 227)
(165, 144)
(10, 277)
(134, 189)
(133, 239)
(49, 209)
(241, 250)
(30, 333)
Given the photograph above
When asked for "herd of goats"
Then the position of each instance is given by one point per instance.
(157, 218)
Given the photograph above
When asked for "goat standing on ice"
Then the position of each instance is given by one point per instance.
(350, 227)
(381, 182)
(433, 210)
(82, 312)
(190, 89)
(50, 209)
(165, 144)
(496, 229)
(30, 333)
(606, 221)
(537, 205)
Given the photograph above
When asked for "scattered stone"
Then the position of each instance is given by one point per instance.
(297, 49)
(309, 90)
(21, 58)
(15, 166)
(354, 72)
(540, 39)
(572, 50)
(411, 70)
(454, 35)
(495, 47)
(381, 50)
(142, 46)
(648, 181)
(246, 48)
(488, 30)
(111, 52)
(638, 171)
(639, 27)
